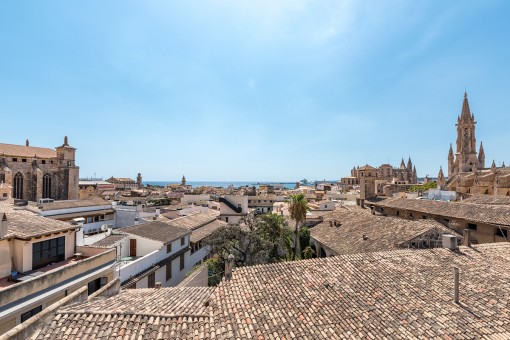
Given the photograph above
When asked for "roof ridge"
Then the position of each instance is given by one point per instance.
(130, 312)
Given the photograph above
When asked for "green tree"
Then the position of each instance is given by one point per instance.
(308, 252)
(273, 229)
(304, 238)
(423, 187)
(298, 207)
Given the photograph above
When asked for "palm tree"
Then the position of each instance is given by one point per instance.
(297, 208)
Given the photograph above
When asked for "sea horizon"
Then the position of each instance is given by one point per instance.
(223, 184)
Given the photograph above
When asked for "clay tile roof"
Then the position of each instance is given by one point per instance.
(26, 151)
(202, 224)
(396, 295)
(490, 214)
(100, 325)
(367, 167)
(167, 301)
(157, 231)
(206, 230)
(382, 233)
(196, 219)
(24, 224)
(88, 202)
(488, 199)
(109, 241)
(399, 294)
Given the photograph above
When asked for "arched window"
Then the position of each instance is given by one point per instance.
(46, 189)
(18, 186)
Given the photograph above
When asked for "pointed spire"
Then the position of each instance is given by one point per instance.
(466, 113)
(402, 164)
(409, 163)
(481, 156)
(450, 153)
(493, 166)
(441, 174)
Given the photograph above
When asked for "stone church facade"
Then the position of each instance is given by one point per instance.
(467, 173)
(405, 174)
(35, 172)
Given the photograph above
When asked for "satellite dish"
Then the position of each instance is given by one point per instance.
(104, 227)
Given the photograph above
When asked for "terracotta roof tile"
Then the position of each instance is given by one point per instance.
(490, 214)
(350, 224)
(26, 151)
(25, 224)
(157, 231)
(399, 294)
(109, 241)
(66, 204)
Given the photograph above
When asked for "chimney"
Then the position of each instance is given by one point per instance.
(79, 237)
(467, 238)
(157, 285)
(450, 242)
(3, 226)
(456, 285)
(229, 267)
(331, 223)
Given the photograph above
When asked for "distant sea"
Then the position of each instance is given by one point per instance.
(288, 185)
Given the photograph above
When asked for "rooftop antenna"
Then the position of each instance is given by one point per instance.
(456, 285)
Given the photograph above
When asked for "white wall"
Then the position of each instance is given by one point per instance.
(156, 255)
(198, 255)
(125, 215)
(145, 246)
(47, 213)
(5, 259)
(96, 226)
(195, 198)
(191, 209)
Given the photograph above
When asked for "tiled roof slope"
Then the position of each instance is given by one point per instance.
(101, 325)
(489, 214)
(164, 301)
(399, 294)
(488, 199)
(24, 224)
(206, 230)
(382, 233)
(157, 231)
(88, 202)
(109, 241)
(166, 313)
(195, 220)
(26, 151)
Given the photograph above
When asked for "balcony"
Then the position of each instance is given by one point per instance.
(8, 281)
(50, 277)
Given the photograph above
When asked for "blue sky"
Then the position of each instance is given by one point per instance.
(253, 90)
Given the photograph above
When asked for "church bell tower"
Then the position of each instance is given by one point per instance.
(466, 159)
